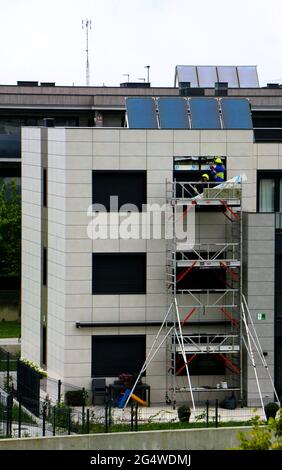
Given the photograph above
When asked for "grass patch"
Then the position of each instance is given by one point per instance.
(96, 428)
(12, 364)
(10, 329)
(25, 417)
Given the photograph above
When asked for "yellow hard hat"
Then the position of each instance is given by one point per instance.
(205, 175)
(218, 160)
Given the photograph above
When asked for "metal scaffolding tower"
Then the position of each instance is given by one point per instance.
(207, 314)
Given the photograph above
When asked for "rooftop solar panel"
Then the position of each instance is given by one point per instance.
(207, 76)
(204, 113)
(186, 73)
(173, 113)
(141, 113)
(228, 73)
(248, 77)
(236, 113)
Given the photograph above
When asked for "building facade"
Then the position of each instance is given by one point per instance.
(93, 307)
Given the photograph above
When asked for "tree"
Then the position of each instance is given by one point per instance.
(10, 231)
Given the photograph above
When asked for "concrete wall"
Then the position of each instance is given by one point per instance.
(31, 243)
(190, 439)
(259, 256)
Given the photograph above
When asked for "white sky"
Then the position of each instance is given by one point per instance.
(43, 40)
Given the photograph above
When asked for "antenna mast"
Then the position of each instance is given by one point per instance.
(86, 24)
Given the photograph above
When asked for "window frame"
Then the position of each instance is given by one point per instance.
(197, 368)
(122, 338)
(120, 255)
(44, 188)
(44, 266)
(121, 172)
(275, 175)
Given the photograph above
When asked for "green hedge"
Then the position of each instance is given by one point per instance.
(74, 397)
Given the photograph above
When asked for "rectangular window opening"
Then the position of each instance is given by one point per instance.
(269, 191)
(119, 273)
(113, 355)
(201, 364)
(130, 187)
(44, 187)
(44, 267)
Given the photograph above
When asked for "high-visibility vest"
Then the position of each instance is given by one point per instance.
(219, 173)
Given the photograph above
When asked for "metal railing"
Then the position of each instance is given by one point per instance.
(201, 190)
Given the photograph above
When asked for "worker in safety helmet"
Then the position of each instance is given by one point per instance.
(218, 170)
(202, 184)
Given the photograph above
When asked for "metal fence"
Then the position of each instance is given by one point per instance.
(59, 419)
(67, 409)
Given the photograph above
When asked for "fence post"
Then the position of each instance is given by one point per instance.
(207, 411)
(8, 372)
(131, 416)
(54, 421)
(106, 418)
(216, 413)
(136, 417)
(20, 416)
(83, 408)
(44, 414)
(110, 413)
(9, 404)
(69, 421)
(87, 421)
(59, 390)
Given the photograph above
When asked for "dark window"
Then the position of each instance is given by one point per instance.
(207, 279)
(44, 267)
(278, 275)
(269, 198)
(278, 365)
(44, 345)
(189, 168)
(278, 312)
(129, 186)
(44, 187)
(201, 364)
(119, 273)
(267, 125)
(113, 355)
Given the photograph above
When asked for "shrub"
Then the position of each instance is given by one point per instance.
(184, 413)
(262, 437)
(75, 397)
(271, 410)
(257, 439)
(61, 415)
